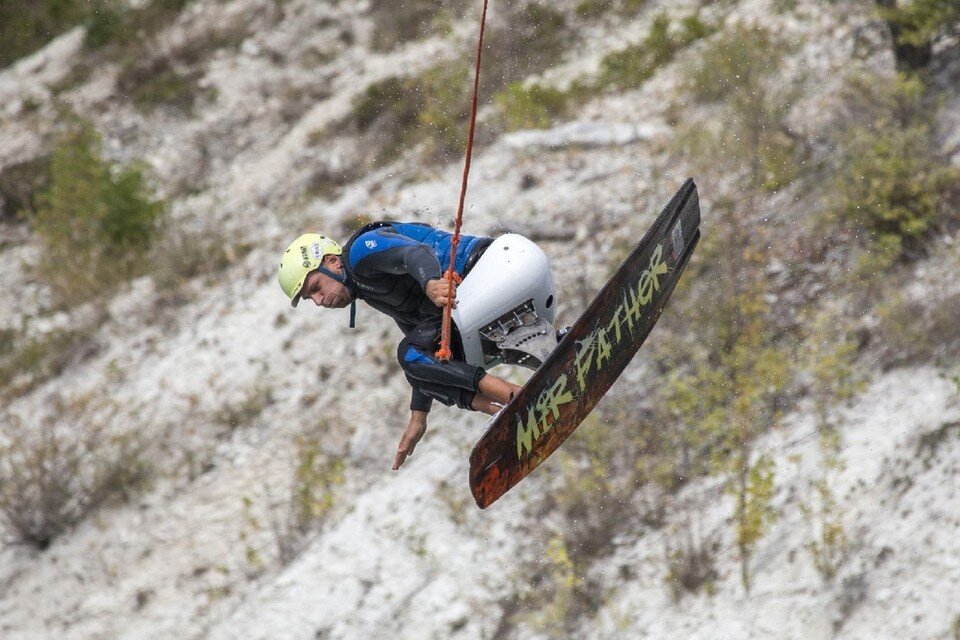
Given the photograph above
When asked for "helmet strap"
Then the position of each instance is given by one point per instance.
(342, 279)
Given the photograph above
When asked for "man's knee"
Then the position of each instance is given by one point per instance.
(448, 396)
(414, 360)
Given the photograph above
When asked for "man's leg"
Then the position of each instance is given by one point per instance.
(468, 386)
(485, 404)
(493, 394)
(455, 382)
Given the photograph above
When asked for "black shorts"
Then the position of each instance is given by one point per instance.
(450, 383)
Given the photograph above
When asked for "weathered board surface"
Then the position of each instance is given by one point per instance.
(591, 356)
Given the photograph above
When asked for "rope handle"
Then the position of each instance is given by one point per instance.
(452, 277)
(444, 354)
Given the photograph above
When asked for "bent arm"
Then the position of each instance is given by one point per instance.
(380, 251)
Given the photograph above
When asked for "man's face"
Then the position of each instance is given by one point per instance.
(324, 290)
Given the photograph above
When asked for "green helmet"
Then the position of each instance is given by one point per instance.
(303, 256)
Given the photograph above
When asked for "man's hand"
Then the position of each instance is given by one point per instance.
(415, 430)
(436, 290)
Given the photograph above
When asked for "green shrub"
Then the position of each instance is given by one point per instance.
(28, 25)
(741, 70)
(632, 7)
(159, 82)
(544, 25)
(531, 107)
(111, 22)
(527, 39)
(443, 118)
(892, 182)
(431, 109)
(631, 67)
(744, 58)
(8, 339)
(784, 6)
(753, 491)
(593, 8)
(828, 544)
(920, 21)
(692, 28)
(96, 220)
(387, 97)
(105, 24)
(729, 374)
(397, 23)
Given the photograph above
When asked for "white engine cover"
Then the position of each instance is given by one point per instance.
(510, 272)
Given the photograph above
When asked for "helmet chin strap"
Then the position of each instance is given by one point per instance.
(339, 277)
(342, 279)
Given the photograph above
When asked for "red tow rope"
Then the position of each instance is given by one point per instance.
(444, 354)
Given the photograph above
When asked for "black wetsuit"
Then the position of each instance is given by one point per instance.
(388, 265)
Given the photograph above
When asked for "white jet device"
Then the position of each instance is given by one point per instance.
(506, 306)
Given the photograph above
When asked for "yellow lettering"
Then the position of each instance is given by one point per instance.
(633, 309)
(591, 352)
(550, 401)
(624, 309)
(657, 267)
(583, 358)
(604, 349)
(543, 416)
(527, 434)
(615, 324)
(645, 288)
(649, 279)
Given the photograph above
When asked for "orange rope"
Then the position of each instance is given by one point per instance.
(444, 354)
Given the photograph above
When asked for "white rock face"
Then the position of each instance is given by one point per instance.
(224, 377)
(585, 134)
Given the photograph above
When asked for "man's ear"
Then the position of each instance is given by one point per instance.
(331, 260)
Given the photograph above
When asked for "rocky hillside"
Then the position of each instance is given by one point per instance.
(182, 455)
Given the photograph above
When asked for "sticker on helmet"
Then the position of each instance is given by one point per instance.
(315, 247)
(370, 244)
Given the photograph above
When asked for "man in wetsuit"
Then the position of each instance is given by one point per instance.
(397, 269)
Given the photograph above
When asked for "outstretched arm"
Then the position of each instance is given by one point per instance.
(415, 430)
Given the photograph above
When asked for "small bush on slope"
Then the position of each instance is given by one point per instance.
(96, 220)
(54, 474)
(891, 183)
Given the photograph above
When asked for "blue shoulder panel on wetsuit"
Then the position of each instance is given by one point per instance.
(440, 241)
(374, 242)
(418, 231)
